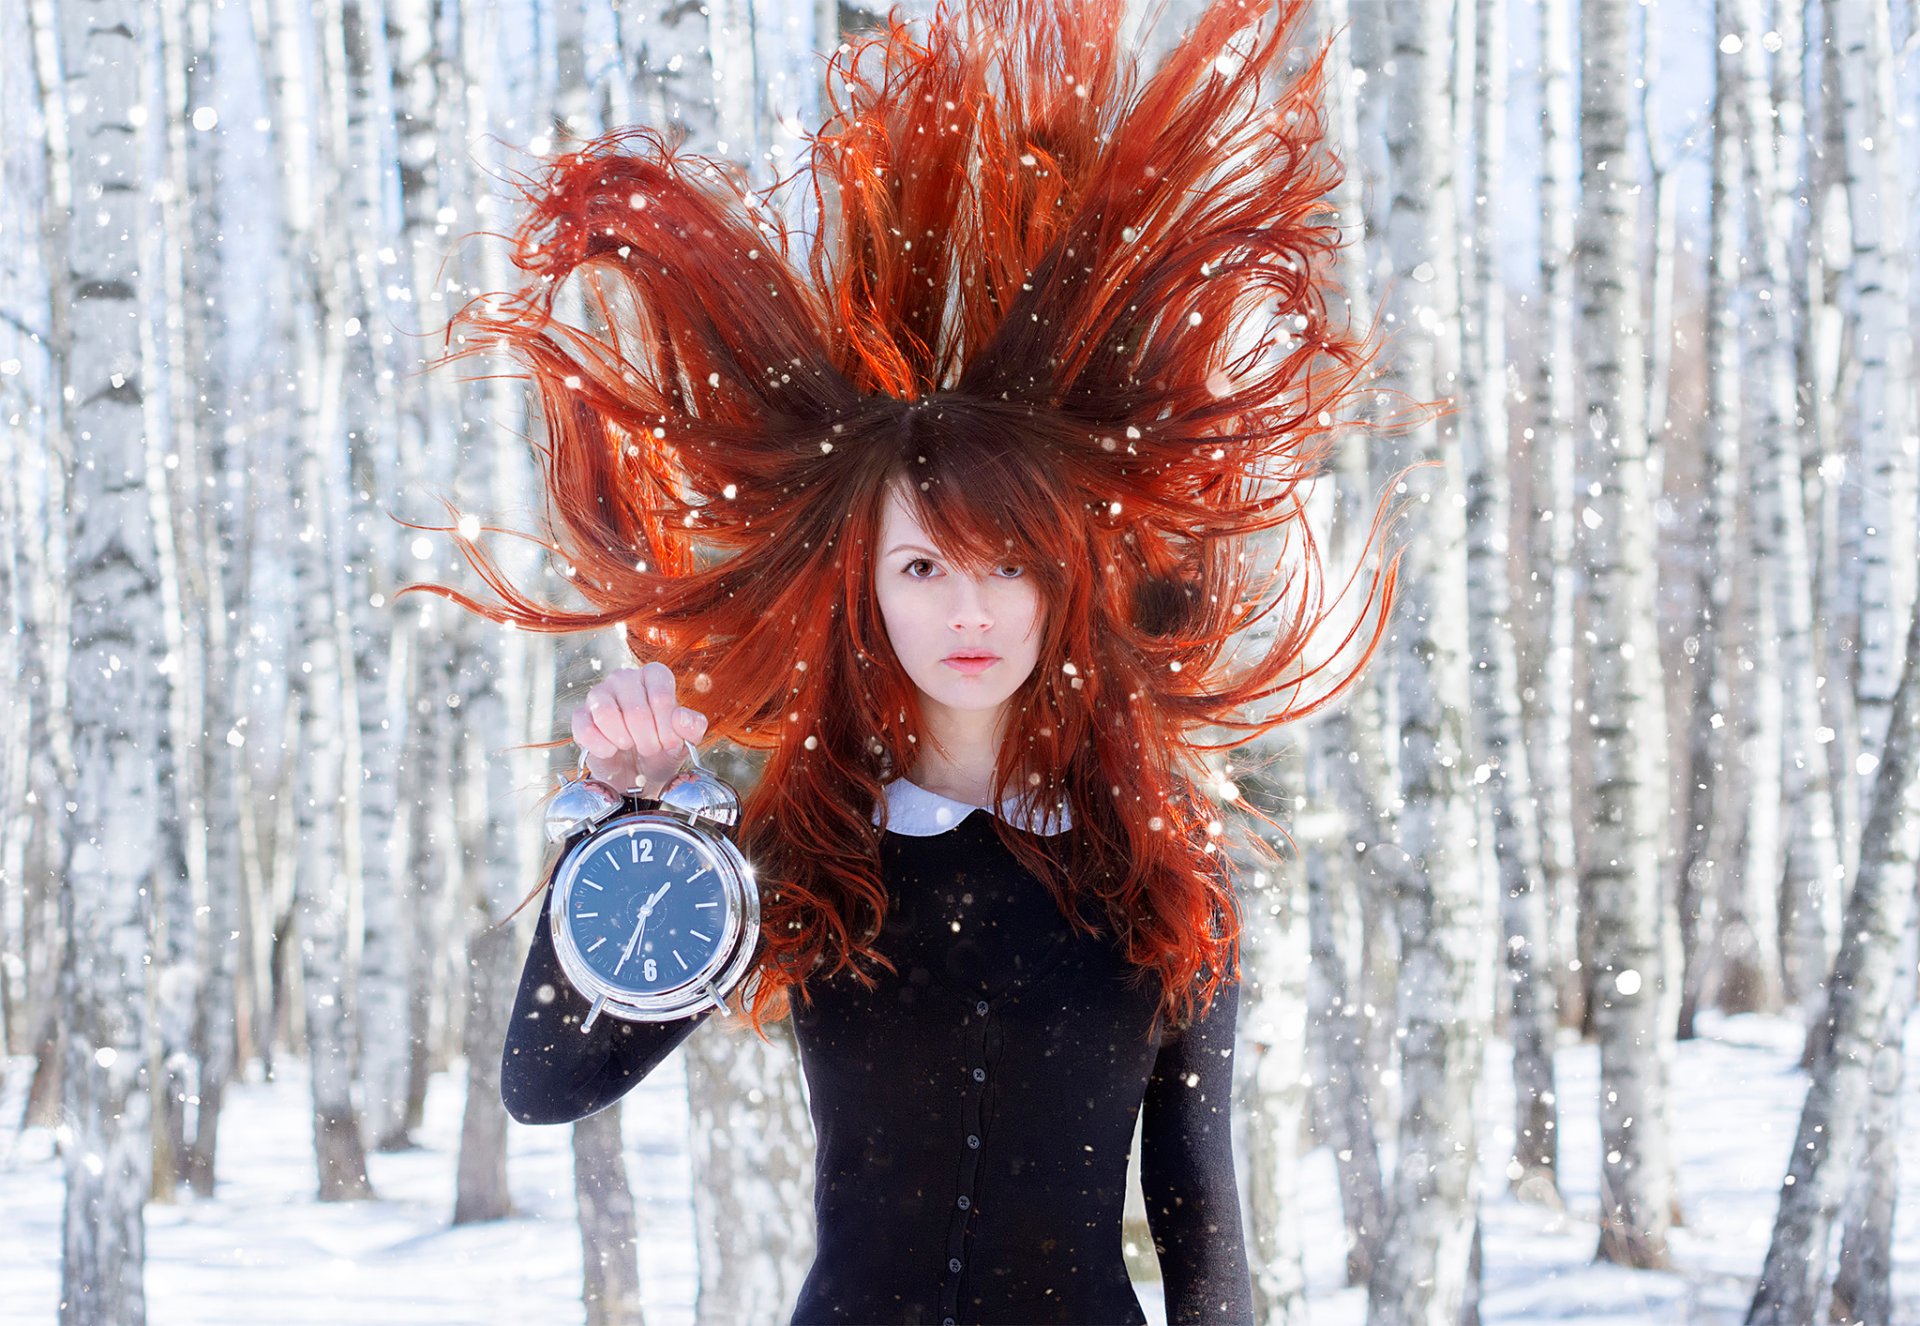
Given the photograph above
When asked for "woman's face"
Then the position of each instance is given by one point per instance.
(933, 611)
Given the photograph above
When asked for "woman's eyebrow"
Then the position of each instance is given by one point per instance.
(909, 547)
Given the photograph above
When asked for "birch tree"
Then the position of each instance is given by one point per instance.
(609, 1230)
(1347, 770)
(1270, 1064)
(33, 203)
(112, 865)
(1444, 966)
(1852, 1035)
(1882, 348)
(505, 63)
(217, 528)
(1622, 877)
(1810, 909)
(1500, 746)
(1550, 711)
(325, 864)
(1741, 929)
(360, 159)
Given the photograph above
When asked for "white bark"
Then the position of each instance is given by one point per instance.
(1853, 1036)
(1500, 747)
(1445, 959)
(361, 160)
(609, 1230)
(1882, 347)
(1270, 1063)
(1347, 768)
(507, 88)
(216, 524)
(178, 413)
(1714, 948)
(1811, 893)
(29, 418)
(326, 868)
(1550, 711)
(119, 802)
(1623, 878)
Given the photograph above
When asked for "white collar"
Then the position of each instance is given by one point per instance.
(918, 813)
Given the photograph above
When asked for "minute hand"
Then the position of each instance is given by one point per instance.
(640, 925)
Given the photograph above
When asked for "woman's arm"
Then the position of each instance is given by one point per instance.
(1187, 1175)
(549, 1071)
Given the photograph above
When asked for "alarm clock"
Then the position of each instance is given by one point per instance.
(655, 912)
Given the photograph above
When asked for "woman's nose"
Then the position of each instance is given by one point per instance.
(970, 611)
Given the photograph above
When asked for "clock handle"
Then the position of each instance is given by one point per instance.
(586, 1023)
(719, 1000)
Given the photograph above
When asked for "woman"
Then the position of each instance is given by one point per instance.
(956, 518)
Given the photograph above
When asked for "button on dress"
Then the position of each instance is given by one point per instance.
(973, 1113)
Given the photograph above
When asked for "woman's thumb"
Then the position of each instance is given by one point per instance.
(690, 722)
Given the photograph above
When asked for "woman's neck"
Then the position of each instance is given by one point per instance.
(955, 756)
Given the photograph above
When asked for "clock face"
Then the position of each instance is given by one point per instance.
(647, 909)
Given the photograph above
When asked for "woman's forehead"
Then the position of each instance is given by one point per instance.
(900, 523)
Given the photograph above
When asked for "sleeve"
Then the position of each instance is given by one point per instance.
(549, 1071)
(1187, 1174)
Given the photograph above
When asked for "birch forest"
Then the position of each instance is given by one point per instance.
(1612, 854)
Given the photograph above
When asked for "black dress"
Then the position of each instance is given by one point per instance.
(973, 1114)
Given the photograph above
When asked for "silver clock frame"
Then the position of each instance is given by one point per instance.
(695, 808)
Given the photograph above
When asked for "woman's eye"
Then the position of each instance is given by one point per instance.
(1014, 567)
(918, 561)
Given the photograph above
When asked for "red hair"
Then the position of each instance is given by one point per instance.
(1087, 319)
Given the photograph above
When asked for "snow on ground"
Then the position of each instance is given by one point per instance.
(266, 1250)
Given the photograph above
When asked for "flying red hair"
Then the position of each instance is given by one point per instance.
(1087, 320)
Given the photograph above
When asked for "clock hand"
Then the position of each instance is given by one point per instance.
(640, 925)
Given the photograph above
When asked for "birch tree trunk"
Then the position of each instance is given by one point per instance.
(120, 804)
(1500, 746)
(1810, 894)
(31, 451)
(1863, 1280)
(1550, 714)
(399, 1043)
(1445, 965)
(1736, 952)
(609, 1230)
(1622, 879)
(1882, 349)
(325, 855)
(1822, 331)
(361, 160)
(220, 536)
(506, 62)
(1860, 994)
(1271, 1064)
(175, 411)
(1347, 770)
(1717, 948)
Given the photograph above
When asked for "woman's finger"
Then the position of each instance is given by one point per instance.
(589, 737)
(661, 692)
(615, 717)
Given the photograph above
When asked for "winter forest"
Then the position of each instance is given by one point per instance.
(1583, 991)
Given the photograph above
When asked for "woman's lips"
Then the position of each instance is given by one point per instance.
(972, 665)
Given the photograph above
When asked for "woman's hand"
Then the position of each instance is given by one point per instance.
(633, 730)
